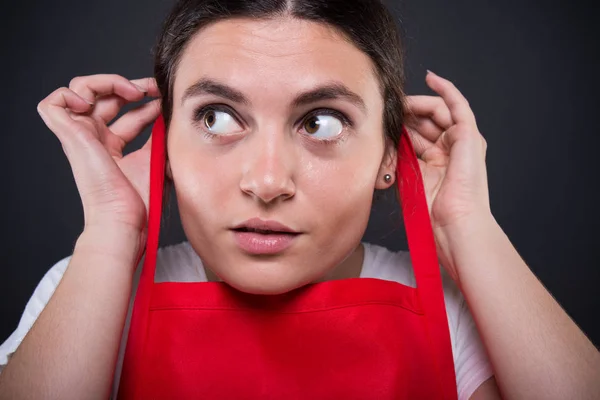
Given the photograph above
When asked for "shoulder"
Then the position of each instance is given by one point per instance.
(382, 263)
(36, 303)
(178, 262)
(471, 362)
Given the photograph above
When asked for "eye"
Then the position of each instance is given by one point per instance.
(323, 126)
(218, 122)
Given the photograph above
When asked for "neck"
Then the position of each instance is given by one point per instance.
(349, 268)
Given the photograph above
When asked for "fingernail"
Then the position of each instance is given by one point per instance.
(431, 72)
(91, 103)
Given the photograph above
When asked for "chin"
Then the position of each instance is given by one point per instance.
(261, 283)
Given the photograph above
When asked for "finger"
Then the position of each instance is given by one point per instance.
(420, 144)
(109, 106)
(149, 85)
(459, 106)
(54, 112)
(432, 107)
(425, 127)
(93, 86)
(110, 92)
(457, 133)
(129, 126)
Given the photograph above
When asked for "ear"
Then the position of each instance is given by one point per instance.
(388, 166)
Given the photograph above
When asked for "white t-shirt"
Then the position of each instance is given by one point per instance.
(180, 263)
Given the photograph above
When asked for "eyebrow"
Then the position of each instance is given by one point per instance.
(328, 91)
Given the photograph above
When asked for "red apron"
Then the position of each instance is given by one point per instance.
(358, 338)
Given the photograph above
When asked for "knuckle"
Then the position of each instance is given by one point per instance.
(465, 133)
(147, 82)
(116, 78)
(54, 95)
(63, 91)
(44, 102)
(76, 82)
(438, 110)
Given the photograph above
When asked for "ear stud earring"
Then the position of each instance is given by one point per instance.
(387, 178)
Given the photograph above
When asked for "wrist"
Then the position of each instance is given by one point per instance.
(458, 242)
(468, 226)
(118, 242)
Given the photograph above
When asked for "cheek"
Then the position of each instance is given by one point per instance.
(339, 193)
(203, 189)
(205, 185)
(336, 182)
(333, 194)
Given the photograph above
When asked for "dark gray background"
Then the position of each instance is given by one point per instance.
(526, 67)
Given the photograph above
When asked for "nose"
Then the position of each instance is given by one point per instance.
(268, 168)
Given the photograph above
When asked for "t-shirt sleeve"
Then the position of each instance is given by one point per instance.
(471, 361)
(33, 308)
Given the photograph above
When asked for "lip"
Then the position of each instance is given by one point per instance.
(257, 223)
(257, 243)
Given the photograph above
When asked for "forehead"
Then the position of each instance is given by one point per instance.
(281, 56)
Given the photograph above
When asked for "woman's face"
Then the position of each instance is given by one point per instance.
(277, 120)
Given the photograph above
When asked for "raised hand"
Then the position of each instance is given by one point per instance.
(114, 189)
(451, 154)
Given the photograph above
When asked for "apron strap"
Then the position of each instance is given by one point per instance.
(421, 245)
(136, 339)
(423, 253)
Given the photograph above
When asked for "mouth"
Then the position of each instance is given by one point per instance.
(263, 231)
(265, 227)
(258, 237)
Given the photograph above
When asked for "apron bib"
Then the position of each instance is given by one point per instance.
(359, 338)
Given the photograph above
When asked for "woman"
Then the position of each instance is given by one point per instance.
(244, 150)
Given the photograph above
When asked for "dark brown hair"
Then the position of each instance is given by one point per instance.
(367, 24)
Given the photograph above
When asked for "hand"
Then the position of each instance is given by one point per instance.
(451, 154)
(114, 189)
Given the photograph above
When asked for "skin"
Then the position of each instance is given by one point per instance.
(266, 164)
(268, 168)
(271, 169)
(536, 350)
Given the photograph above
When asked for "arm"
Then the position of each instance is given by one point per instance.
(36, 303)
(536, 350)
(71, 350)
